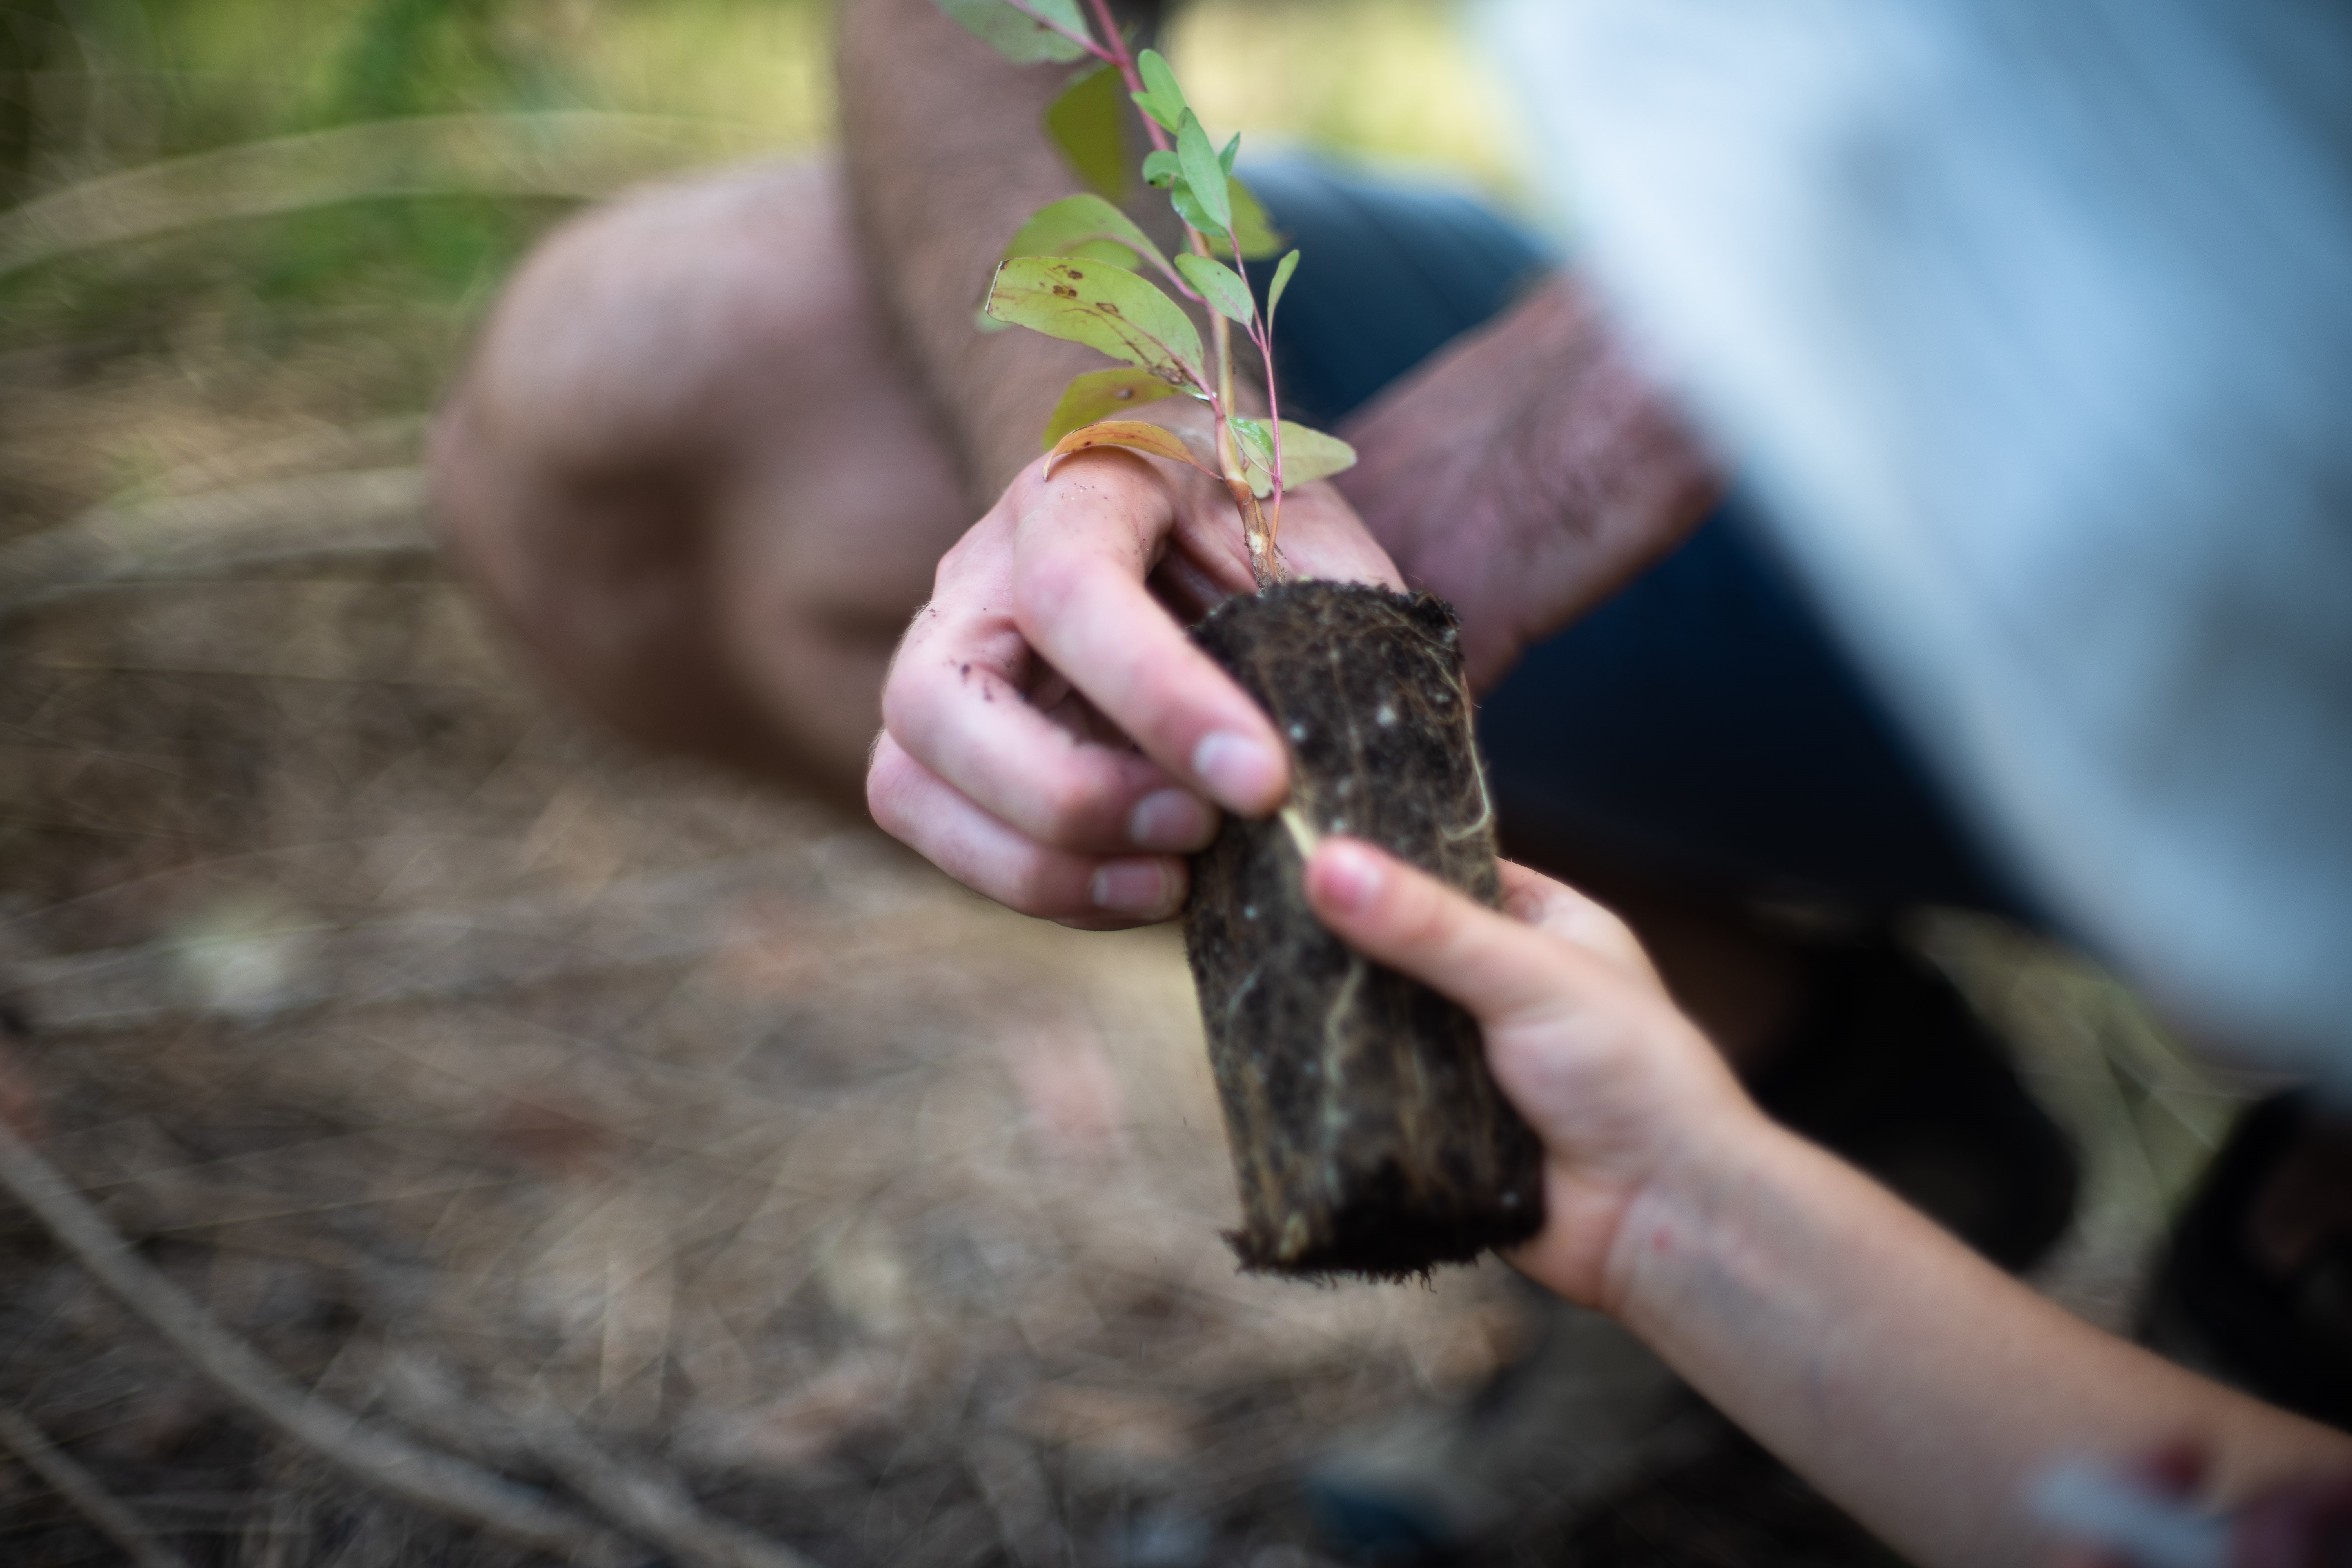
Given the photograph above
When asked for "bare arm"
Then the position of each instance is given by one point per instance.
(1911, 1380)
(946, 159)
(1527, 472)
(1920, 1386)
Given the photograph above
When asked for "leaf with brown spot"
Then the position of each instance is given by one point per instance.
(1100, 394)
(1103, 306)
(1135, 435)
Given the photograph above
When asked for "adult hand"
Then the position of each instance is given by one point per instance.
(1525, 472)
(1050, 737)
(1582, 1035)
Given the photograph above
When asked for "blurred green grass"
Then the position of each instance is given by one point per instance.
(256, 94)
(108, 107)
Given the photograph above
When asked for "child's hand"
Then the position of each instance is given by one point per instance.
(1619, 1085)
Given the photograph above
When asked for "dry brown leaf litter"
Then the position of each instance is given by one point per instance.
(473, 1067)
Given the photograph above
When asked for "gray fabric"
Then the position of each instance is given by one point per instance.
(2032, 321)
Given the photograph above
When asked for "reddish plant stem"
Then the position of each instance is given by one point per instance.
(1262, 334)
(1265, 565)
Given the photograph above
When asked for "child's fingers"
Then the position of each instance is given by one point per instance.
(1494, 965)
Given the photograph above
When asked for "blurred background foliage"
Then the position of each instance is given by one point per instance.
(274, 169)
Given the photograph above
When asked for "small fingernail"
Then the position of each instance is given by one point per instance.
(1137, 887)
(1346, 877)
(1239, 772)
(1168, 819)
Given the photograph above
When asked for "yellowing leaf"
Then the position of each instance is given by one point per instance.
(1060, 228)
(1086, 124)
(1135, 435)
(1101, 306)
(1100, 394)
(1306, 455)
(1022, 39)
(1310, 455)
(1253, 230)
(1219, 284)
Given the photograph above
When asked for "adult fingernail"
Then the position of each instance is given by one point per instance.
(1345, 877)
(1239, 772)
(1168, 819)
(1137, 887)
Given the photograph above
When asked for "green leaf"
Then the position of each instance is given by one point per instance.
(1022, 39)
(1306, 455)
(1189, 208)
(1100, 394)
(1161, 168)
(1167, 100)
(1083, 223)
(1254, 441)
(1288, 265)
(1226, 158)
(1150, 110)
(1253, 230)
(1219, 285)
(1108, 250)
(1101, 306)
(988, 323)
(1086, 124)
(1201, 170)
(1310, 455)
(1136, 435)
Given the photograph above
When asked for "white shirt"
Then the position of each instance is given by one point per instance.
(2032, 322)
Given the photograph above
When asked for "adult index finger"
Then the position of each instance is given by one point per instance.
(1087, 539)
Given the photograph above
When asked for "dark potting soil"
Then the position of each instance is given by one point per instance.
(1369, 1137)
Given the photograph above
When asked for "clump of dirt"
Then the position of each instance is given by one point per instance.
(1368, 1135)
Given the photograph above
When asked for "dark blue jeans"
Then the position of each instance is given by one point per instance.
(1703, 727)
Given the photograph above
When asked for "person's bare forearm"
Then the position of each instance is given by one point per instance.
(947, 158)
(1901, 1373)
(1527, 471)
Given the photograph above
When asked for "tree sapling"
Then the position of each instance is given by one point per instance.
(1368, 1135)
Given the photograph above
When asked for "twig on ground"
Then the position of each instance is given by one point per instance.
(644, 1500)
(380, 1459)
(79, 1487)
(649, 1503)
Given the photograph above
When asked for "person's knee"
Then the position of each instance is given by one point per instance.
(685, 402)
(639, 333)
